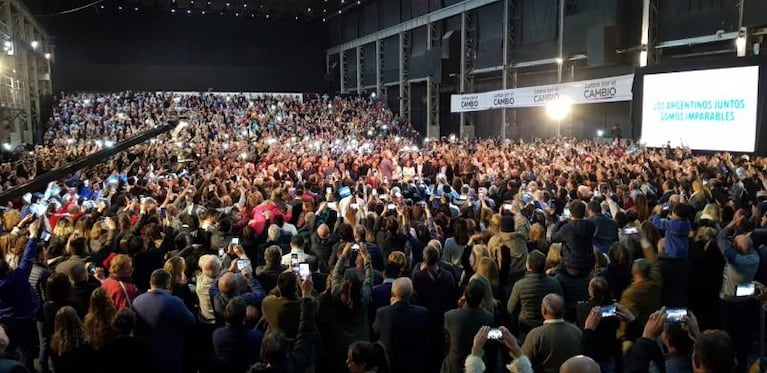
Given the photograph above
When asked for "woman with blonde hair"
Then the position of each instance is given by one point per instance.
(553, 259)
(487, 272)
(399, 258)
(700, 196)
(70, 352)
(97, 327)
(176, 266)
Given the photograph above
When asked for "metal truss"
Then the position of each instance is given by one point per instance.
(468, 52)
(360, 66)
(404, 73)
(508, 116)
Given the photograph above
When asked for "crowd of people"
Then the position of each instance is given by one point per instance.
(277, 234)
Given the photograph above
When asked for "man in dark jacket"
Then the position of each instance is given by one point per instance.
(237, 347)
(528, 293)
(462, 324)
(17, 304)
(576, 236)
(228, 287)
(607, 230)
(403, 329)
(274, 349)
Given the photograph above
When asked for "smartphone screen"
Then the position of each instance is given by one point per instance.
(566, 213)
(328, 190)
(235, 241)
(303, 270)
(745, 290)
(495, 334)
(607, 311)
(675, 315)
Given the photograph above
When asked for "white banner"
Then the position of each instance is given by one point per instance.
(612, 89)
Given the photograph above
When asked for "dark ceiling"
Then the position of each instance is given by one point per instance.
(296, 10)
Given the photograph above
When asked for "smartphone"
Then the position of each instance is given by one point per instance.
(666, 206)
(566, 213)
(235, 241)
(391, 206)
(243, 265)
(745, 290)
(355, 247)
(607, 311)
(45, 236)
(495, 334)
(221, 251)
(163, 213)
(92, 269)
(328, 190)
(294, 260)
(675, 315)
(507, 206)
(631, 230)
(303, 270)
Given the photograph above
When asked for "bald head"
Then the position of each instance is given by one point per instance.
(743, 243)
(323, 231)
(552, 307)
(228, 283)
(401, 289)
(580, 364)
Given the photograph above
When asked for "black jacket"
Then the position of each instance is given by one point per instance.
(303, 354)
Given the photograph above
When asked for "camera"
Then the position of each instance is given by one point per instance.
(675, 315)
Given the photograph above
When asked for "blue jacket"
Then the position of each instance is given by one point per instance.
(237, 347)
(16, 299)
(607, 232)
(163, 320)
(677, 235)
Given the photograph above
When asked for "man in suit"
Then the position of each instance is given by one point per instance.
(382, 293)
(403, 329)
(163, 320)
(462, 324)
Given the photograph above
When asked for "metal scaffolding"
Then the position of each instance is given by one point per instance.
(509, 74)
(25, 73)
(433, 36)
(466, 77)
(404, 73)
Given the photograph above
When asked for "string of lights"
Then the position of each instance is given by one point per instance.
(298, 10)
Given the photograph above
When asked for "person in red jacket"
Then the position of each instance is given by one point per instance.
(119, 284)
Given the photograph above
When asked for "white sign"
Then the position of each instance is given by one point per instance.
(612, 89)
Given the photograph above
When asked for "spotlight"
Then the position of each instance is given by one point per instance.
(559, 109)
(600, 133)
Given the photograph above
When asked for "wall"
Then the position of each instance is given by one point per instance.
(180, 52)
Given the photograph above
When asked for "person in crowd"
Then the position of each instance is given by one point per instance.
(282, 310)
(741, 264)
(267, 274)
(230, 285)
(617, 273)
(351, 293)
(673, 261)
(76, 248)
(211, 266)
(163, 320)
(8, 364)
(83, 286)
(436, 290)
(580, 364)
(528, 293)
(606, 229)
(126, 344)
(57, 295)
(17, 305)
(474, 362)
(643, 296)
(97, 325)
(297, 250)
(176, 266)
(509, 249)
(550, 345)
(600, 328)
(462, 324)
(119, 285)
(402, 329)
(576, 235)
(70, 353)
(276, 354)
(236, 346)
(366, 357)
(381, 294)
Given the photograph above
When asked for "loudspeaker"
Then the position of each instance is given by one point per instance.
(601, 43)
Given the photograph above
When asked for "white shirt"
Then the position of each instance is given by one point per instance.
(302, 256)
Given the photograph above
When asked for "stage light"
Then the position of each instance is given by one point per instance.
(373, 95)
(559, 60)
(47, 56)
(34, 44)
(559, 109)
(600, 133)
